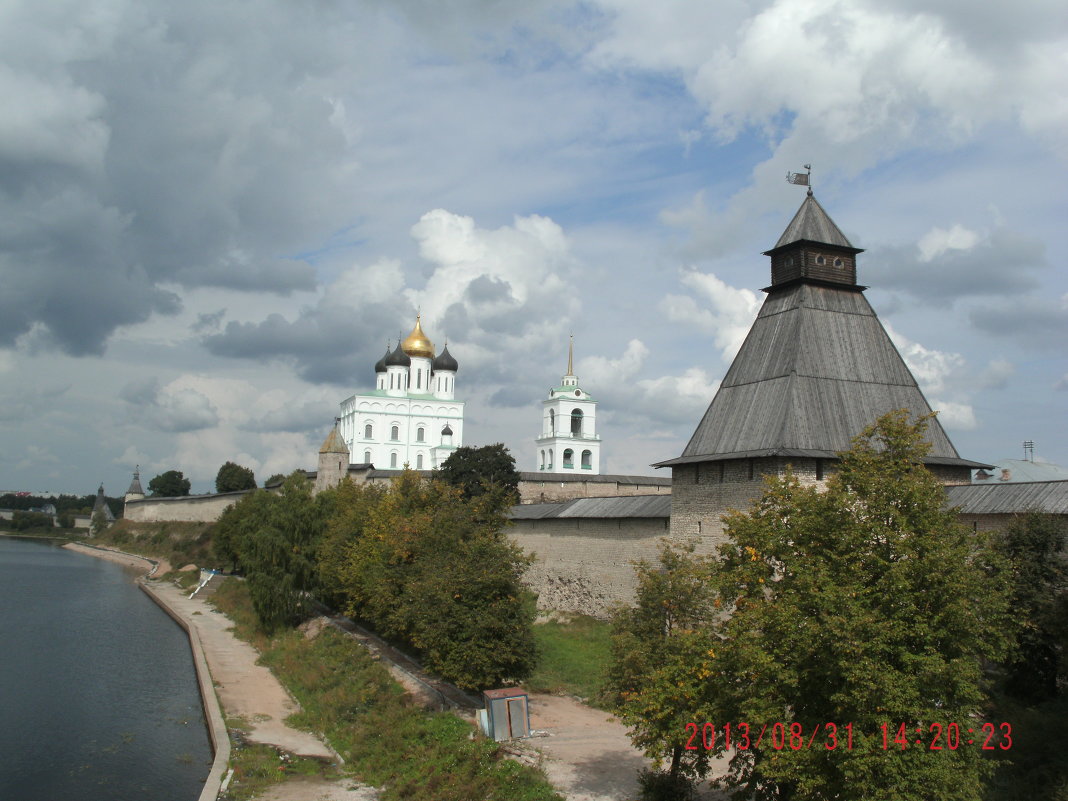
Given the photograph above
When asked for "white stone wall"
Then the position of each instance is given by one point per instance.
(191, 508)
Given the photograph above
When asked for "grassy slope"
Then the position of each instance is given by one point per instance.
(573, 657)
(386, 743)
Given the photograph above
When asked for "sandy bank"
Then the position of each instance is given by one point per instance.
(153, 567)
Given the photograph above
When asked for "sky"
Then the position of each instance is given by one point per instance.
(215, 215)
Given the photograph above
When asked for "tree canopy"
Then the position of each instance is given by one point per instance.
(865, 604)
(233, 477)
(476, 470)
(170, 484)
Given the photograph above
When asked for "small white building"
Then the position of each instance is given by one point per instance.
(412, 416)
(569, 442)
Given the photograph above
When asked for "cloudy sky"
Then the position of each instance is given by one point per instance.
(213, 215)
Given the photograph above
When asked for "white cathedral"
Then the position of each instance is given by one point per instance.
(412, 416)
(569, 442)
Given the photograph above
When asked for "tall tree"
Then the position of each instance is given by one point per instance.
(478, 470)
(1036, 549)
(170, 484)
(233, 477)
(866, 604)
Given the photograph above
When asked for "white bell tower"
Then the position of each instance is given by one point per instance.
(569, 442)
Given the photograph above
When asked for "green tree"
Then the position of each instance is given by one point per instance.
(864, 604)
(24, 521)
(273, 538)
(276, 478)
(425, 564)
(1035, 547)
(99, 523)
(170, 484)
(233, 477)
(869, 604)
(656, 645)
(477, 470)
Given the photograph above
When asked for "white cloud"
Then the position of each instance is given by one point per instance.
(600, 371)
(955, 416)
(931, 368)
(728, 316)
(938, 240)
(682, 398)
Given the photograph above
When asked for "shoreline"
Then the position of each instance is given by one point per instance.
(213, 716)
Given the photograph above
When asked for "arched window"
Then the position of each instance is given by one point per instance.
(587, 460)
(420, 434)
(576, 422)
(394, 433)
(367, 431)
(419, 461)
(550, 466)
(541, 464)
(393, 460)
(419, 378)
(569, 459)
(367, 457)
(552, 422)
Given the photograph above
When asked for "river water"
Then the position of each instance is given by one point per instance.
(98, 693)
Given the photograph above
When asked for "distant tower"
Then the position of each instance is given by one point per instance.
(135, 493)
(101, 505)
(333, 462)
(569, 442)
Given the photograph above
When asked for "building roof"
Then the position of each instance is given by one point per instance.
(631, 506)
(816, 368)
(417, 343)
(813, 224)
(1023, 470)
(1010, 497)
(334, 443)
(445, 361)
(135, 485)
(601, 478)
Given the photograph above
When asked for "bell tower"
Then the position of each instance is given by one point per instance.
(569, 442)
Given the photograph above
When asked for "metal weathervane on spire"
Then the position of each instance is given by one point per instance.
(801, 179)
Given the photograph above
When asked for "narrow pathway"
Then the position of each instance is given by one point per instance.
(245, 689)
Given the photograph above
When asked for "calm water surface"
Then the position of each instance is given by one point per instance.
(98, 694)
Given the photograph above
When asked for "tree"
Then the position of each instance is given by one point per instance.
(476, 470)
(170, 484)
(274, 539)
(233, 477)
(865, 604)
(276, 478)
(424, 564)
(99, 523)
(1035, 547)
(655, 646)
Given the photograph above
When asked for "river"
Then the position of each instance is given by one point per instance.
(98, 693)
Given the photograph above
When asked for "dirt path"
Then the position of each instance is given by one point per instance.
(587, 754)
(155, 567)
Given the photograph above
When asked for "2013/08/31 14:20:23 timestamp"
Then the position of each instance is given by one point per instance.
(831, 736)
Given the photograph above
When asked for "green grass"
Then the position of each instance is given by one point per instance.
(258, 766)
(573, 657)
(353, 701)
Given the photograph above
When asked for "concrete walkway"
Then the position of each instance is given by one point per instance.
(245, 689)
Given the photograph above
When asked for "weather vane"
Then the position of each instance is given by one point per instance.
(801, 178)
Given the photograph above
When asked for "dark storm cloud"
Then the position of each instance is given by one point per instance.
(1033, 322)
(157, 143)
(1005, 263)
(327, 344)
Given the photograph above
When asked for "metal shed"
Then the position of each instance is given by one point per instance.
(507, 714)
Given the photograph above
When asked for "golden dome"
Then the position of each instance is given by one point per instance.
(417, 343)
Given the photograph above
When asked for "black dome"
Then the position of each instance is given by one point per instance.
(398, 358)
(447, 431)
(380, 365)
(444, 361)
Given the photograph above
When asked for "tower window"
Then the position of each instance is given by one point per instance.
(838, 263)
(819, 469)
(576, 422)
(569, 459)
(394, 433)
(367, 431)
(552, 422)
(550, 467)
(820, 260)
(587, 460)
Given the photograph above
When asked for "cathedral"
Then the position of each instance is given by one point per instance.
(411, 418)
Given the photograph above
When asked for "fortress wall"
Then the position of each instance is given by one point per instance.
(190, 508)
(547, 488)
(584, 564)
